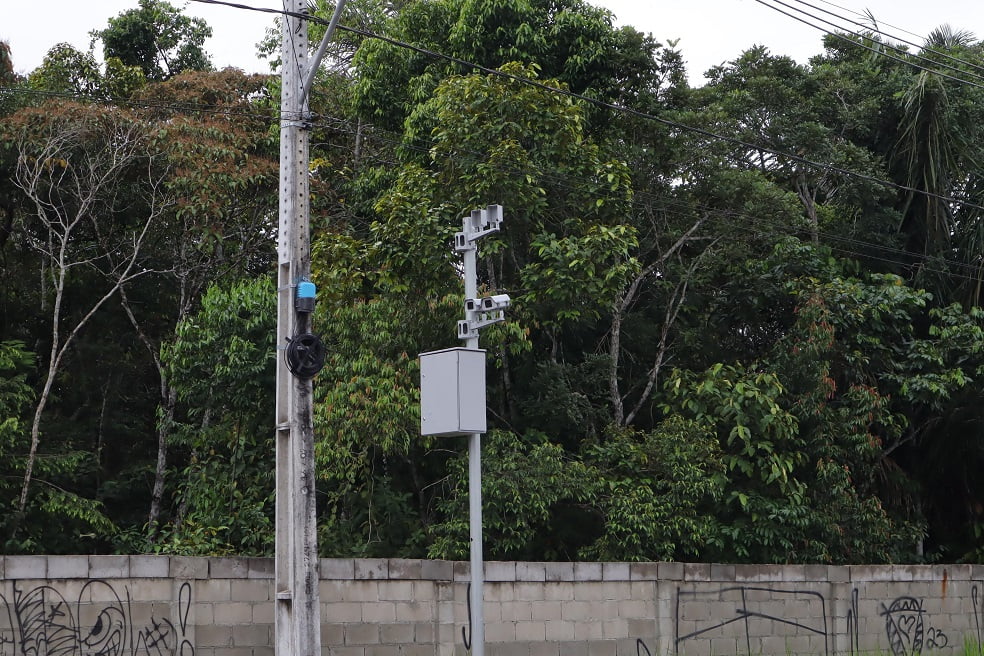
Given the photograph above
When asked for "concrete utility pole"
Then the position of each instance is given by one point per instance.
(297, 619)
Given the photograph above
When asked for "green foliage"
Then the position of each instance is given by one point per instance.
(656, 492)
(374, 468)
(67, 70)
(629, 496)
(222, 368)
(157, 38)
(716, 350)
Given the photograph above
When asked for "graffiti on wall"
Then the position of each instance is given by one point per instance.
(40, 621)
(749, 610)
(906, 629)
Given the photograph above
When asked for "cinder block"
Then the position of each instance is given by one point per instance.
(205, 614)
(417, 650)
(578, 611)
(232, 651)
(500, 631)
(644, 571)
(531, 572)
(437, 570)
(425, 591)
(512, 611)
(213, 636)
(461, 571)
(251, 590)
(332, 635)
(151, 567)
(498, 591)
(531, 632)
(615, 572)
(425, 634)
(233, 612)
(150, 589)
(263, 613)
(228, 568)
(960, 572)
(501, 571)
(140, 614)
(341, 612)
(252, 635)
(365, 590)
(261, 568)
(587, 631)
(722, 572)
(696, 572)
(68, 567)
(559, 591)
(396, 634)
(361, 634)
(509, 649)
(414, 611)
(817, 573)
(611, 590)
(603, 648)
(529, 591)
(372, 568)
(615, 629)
(632, 608)
(642, 590)
(670, 571)
(213, 590)
(379, 612)
(559, 571)
(559, 630)
(405, 569)
(870, 573)
(545, 649)
(26, 567)
(587, 572)
(728, 646)
(188, 567)
(568, 648)
(395, 590)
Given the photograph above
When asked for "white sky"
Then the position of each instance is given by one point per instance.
(709, 31)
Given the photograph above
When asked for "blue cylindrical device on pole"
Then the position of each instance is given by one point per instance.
(306, 292)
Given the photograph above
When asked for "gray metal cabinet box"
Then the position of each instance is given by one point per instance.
(452, 392)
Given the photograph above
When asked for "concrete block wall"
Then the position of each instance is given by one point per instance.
(159, 605)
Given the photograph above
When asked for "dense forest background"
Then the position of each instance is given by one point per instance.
(746, 321)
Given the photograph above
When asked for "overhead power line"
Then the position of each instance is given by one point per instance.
(611, 106)
(874, 29)
(912, 58)
(338, 123)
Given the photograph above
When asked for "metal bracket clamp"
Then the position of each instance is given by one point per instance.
(477, 225)
(482, 312)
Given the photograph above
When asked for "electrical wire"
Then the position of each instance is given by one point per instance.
(876, 30)
(565, 92)
(877, 51)
(612, 106)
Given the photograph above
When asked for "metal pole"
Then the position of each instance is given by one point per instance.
(477, 619)
(298, 609)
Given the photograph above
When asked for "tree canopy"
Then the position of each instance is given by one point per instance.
(746, 320)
